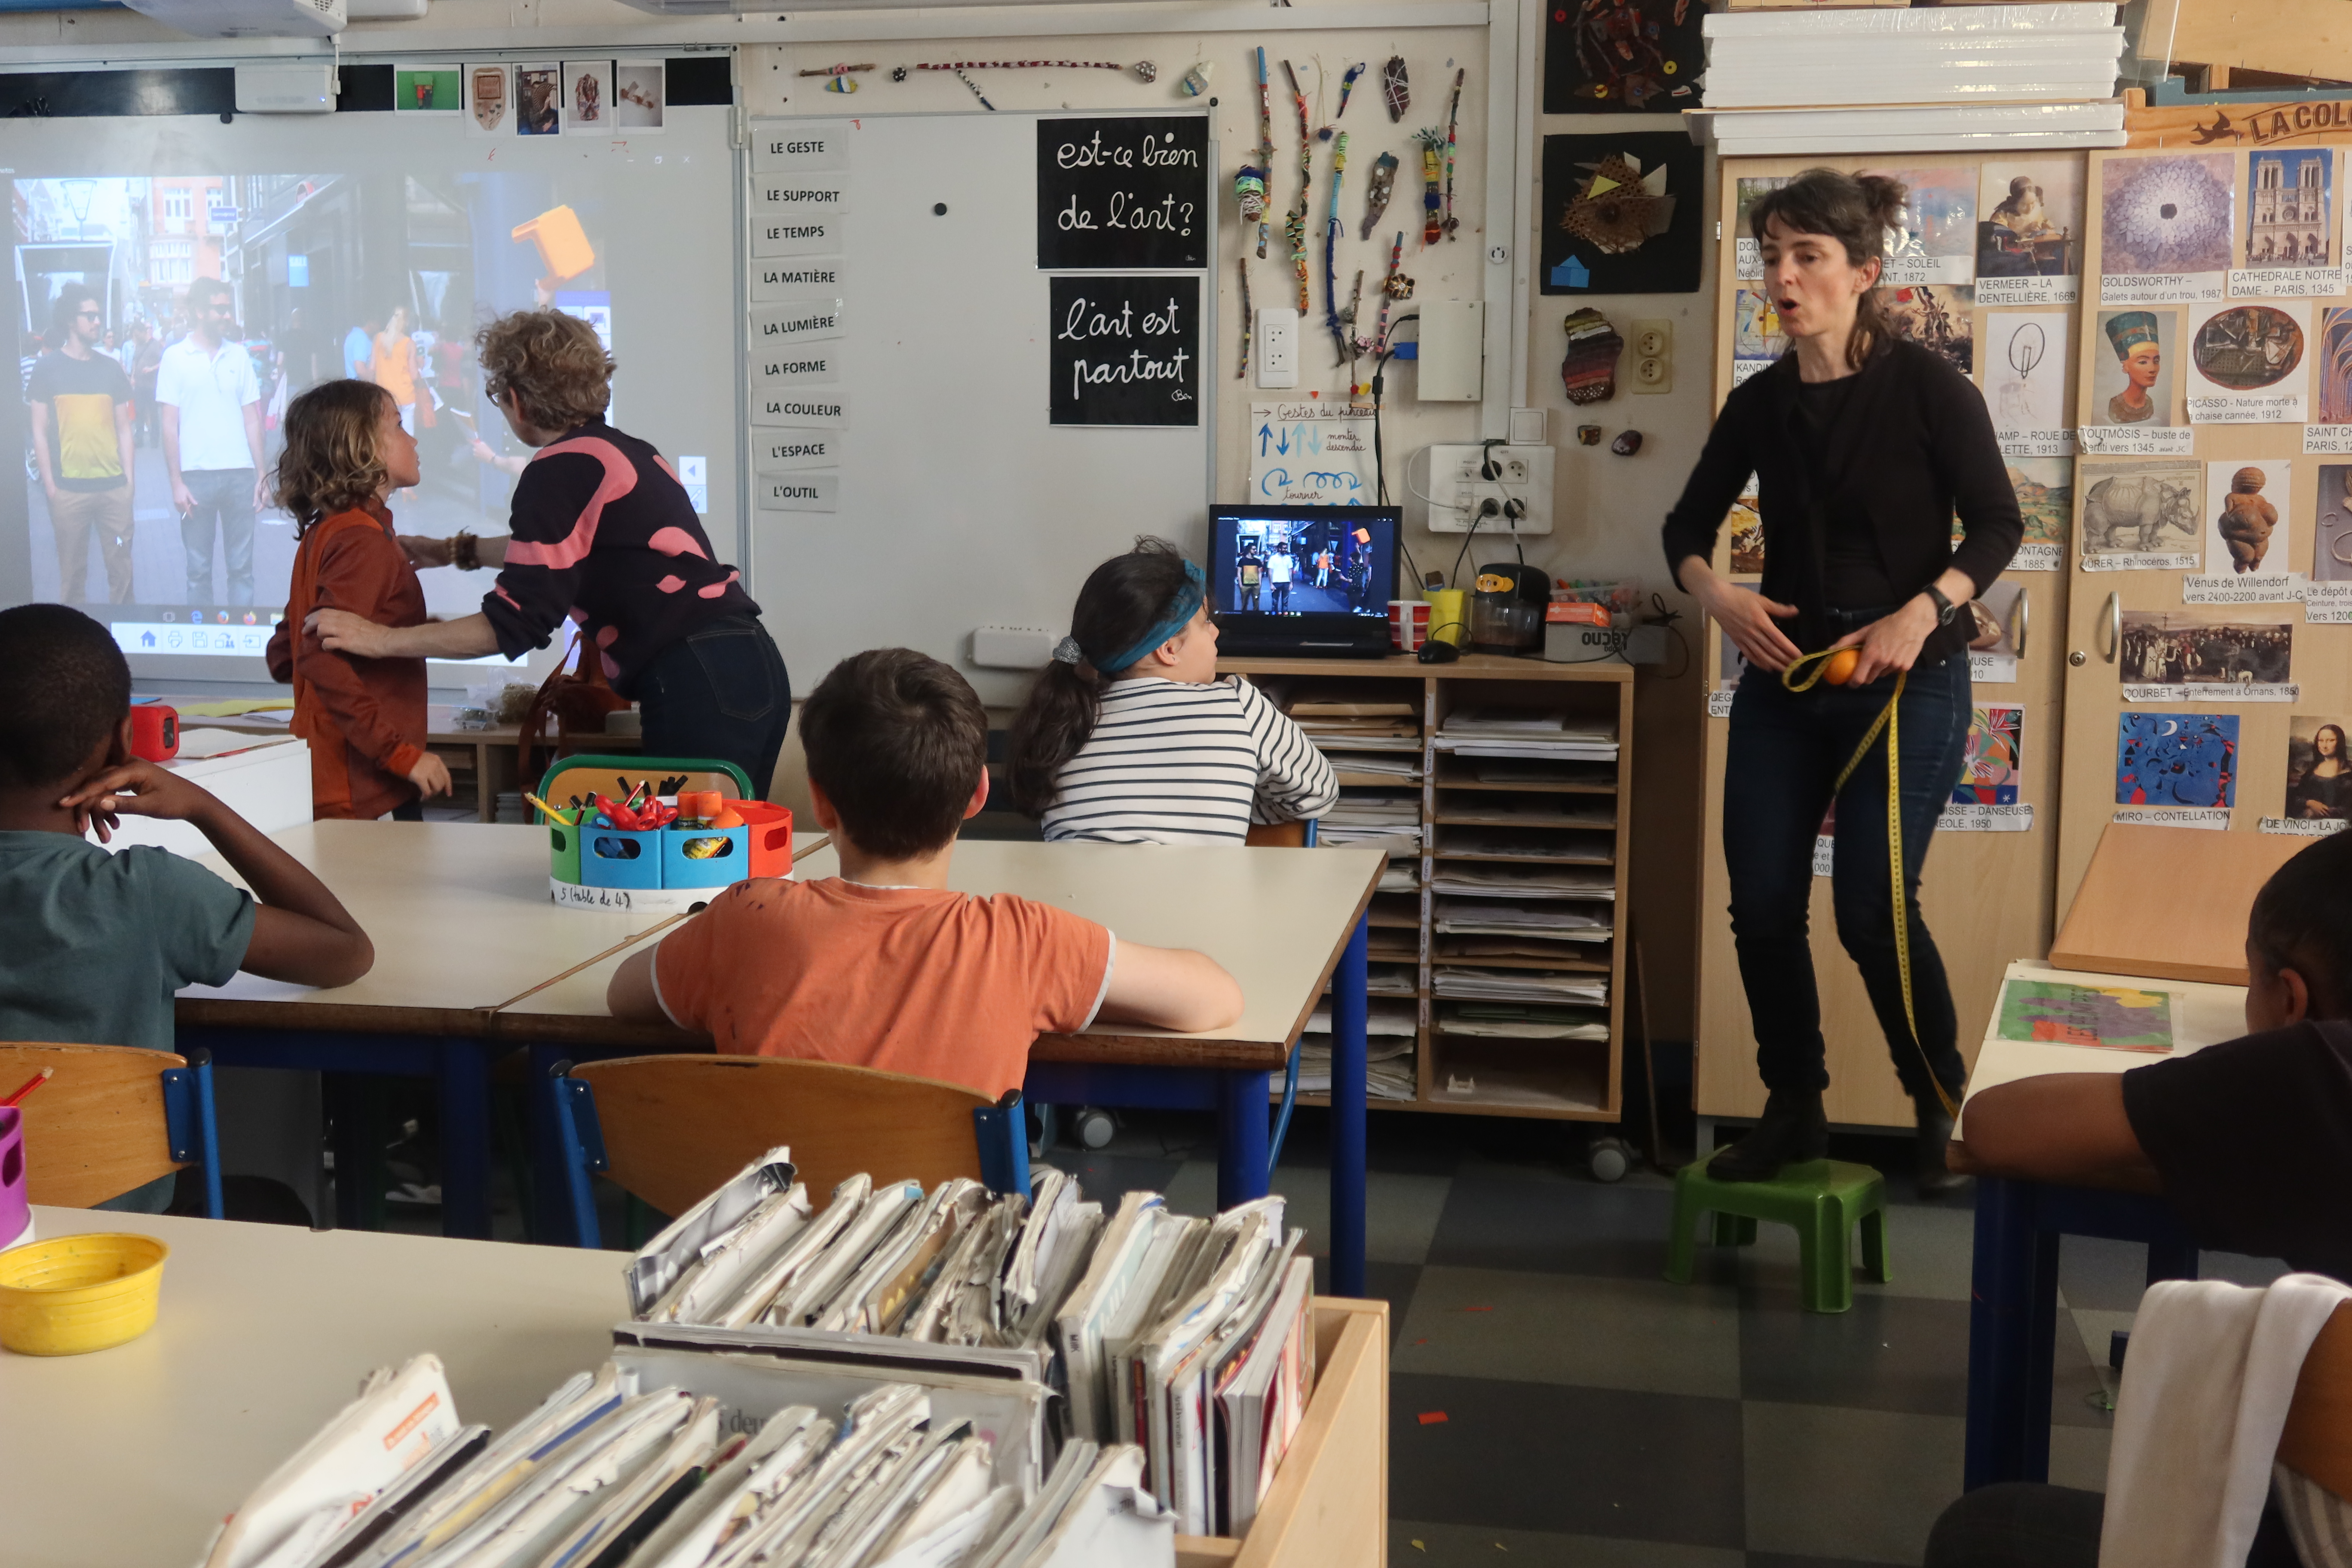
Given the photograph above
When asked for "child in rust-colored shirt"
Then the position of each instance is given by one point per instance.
(365, 718)
(884, 966)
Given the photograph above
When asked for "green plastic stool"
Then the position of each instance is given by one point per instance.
(1823, 1199)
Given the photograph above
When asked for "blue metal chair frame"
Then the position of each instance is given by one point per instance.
(190, 1129)
(1000, 1130)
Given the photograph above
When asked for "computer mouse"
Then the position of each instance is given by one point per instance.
(1436, 652)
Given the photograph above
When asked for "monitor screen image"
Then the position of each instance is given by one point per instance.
(1302, 560)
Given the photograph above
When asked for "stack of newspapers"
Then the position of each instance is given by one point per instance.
(1373, 819)
(953, 1378)
(1527, 733)
(607, 1473)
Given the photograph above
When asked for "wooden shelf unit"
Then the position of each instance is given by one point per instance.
(1578, 1081)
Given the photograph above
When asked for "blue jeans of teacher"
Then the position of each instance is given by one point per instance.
(721, 693)
(1781, 768)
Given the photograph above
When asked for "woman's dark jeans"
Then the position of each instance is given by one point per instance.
(722, 693)
(1786, 750)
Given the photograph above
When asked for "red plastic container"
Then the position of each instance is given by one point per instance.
(772, 836)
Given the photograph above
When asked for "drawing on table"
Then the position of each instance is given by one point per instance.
(2114, 1017)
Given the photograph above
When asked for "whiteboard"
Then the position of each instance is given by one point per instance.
(958, 505)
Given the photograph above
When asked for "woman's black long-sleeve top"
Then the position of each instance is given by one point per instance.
(1913, 440)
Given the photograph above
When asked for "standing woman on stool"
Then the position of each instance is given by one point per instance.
(602, 533)
(1863, 445)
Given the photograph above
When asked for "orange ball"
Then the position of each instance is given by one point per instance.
(1839, 668)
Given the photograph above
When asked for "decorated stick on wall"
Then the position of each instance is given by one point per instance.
(1332, 228)
(1452, 128)
(1249, 316)
(1355, 344)
(1378, 187)
(1396, 89)
(1347, 86)
(1295, 227)
(1433, 180)
(1265, 122)
(1395, 287)
(1249, 191)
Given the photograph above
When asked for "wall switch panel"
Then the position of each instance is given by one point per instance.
(1278, 347)
(1460, 494)
(1526, 427)
(1651, 354)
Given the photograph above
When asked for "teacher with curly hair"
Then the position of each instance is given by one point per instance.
(603, 533)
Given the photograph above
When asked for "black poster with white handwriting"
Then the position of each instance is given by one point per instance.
(1126, 350)
(1123, 191)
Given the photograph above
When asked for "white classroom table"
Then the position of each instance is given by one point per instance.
(473, 959)
(131, 1458)
(2013, 1290)
(466, 941)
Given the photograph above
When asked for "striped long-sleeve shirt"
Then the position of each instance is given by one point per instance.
(1172, 763)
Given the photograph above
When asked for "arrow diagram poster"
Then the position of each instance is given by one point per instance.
(1126, 350)
(1311, 454)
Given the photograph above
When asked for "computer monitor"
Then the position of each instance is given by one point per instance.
(1311, 580)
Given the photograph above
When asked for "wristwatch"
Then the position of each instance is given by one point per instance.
(1945, 608)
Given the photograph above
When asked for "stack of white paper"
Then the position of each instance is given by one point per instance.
(1923, 56)
(1390, 1069)
(1483, 879)
(1381, 1016)
(1522, 1021)
(1517, 984)
(1527, 733)
(1552, 921)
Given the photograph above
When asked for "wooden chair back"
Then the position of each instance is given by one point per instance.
(96, 1128)
(677, 1128)
(2317, 1441)
(1276, 835)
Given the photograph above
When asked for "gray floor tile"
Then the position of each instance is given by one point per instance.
(2104, 1276)
(1861, 1486)
(1391, 1282)
(1565, 1227)
(1642, 1335)
(1571, 1461)
(1423, 1545)
(1888, 1354)
(2080, 1383)
(2237, 1268)
(1193, 1188)
(1929, 1252)
(2078, 1457)
(1104, 1176)
(1401, 1212)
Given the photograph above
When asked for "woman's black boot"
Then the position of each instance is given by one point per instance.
(1791, 1131)
(1937, 1179)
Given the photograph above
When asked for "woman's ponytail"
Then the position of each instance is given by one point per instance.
(1123, 599)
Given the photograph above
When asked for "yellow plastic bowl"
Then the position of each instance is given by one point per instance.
(79, 1293)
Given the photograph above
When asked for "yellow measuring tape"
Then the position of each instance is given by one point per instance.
(1885, 722)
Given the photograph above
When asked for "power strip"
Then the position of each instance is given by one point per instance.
(1517, 500)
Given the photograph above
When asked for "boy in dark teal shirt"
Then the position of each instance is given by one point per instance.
(94, 945)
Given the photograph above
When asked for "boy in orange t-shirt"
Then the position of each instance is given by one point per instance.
(884, 966)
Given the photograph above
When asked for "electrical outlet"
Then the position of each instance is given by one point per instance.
(1278, 347)
(1652, 346)
(1517, 500)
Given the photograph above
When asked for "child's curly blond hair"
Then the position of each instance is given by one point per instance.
(333, 462)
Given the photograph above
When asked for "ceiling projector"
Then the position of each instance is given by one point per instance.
(247, 18)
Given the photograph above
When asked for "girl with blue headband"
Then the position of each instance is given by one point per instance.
(1129, 737)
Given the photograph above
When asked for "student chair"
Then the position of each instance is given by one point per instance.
(112, 1119)
(586, 771)
(671, 1129)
